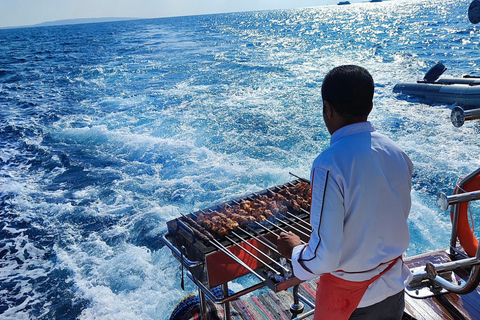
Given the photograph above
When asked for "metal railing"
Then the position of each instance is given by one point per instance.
(459, 115)
(435, 272)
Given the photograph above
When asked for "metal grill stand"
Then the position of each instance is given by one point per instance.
(297, 307)
(212, 259)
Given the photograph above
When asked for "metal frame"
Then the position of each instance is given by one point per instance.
(204, 292)
(190, 228)
(430, 280)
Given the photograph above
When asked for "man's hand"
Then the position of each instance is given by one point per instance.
(286, 242)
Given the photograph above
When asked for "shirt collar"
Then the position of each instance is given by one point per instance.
(355, 128)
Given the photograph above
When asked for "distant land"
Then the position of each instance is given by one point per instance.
(79, 21)
(73, 21)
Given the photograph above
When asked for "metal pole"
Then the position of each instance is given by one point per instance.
(445, 201)
(226, 304)
(297, 307)
(203, 305)
(459, 116)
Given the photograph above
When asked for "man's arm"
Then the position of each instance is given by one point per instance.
(323, 251)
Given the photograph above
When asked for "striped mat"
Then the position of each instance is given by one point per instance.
(268, 306)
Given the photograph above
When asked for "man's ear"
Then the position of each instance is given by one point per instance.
(327, 109)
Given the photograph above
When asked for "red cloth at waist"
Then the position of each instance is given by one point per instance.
(336, 298)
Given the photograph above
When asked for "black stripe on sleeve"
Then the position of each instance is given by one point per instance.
(300, 260)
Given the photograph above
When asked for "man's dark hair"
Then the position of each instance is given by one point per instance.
(349, 90)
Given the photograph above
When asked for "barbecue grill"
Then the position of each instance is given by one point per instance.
(211, 256)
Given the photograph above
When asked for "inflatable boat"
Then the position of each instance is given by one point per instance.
(462, 91)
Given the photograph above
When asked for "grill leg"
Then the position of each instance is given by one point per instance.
(226, 305)
(203, 305)
(297, 307)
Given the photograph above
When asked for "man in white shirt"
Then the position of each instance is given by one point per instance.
(360, 204)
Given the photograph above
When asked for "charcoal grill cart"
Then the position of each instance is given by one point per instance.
(212, 255)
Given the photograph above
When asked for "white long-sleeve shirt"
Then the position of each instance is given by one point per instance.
(360, 204)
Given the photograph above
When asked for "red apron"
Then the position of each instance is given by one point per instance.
(336, 298)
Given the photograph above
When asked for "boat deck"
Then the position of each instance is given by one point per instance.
(447, 306)
(273, 306)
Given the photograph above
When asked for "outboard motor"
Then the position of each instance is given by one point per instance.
(474, 12)
(434, 73)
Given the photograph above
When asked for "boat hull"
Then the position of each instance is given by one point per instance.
(463, 92)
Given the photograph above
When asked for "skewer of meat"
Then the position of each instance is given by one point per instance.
(218, 245)
(296, 197)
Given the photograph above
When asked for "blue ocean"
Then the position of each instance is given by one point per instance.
(109, 130)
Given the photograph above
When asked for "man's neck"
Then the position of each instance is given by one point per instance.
(346, 122)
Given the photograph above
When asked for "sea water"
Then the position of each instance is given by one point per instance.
(109, 130)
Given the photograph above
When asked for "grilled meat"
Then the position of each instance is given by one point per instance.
(264, 207)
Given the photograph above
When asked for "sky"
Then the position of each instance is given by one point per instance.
(30, 12)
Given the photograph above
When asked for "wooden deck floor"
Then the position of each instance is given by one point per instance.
(271, 306)
(447, 306)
